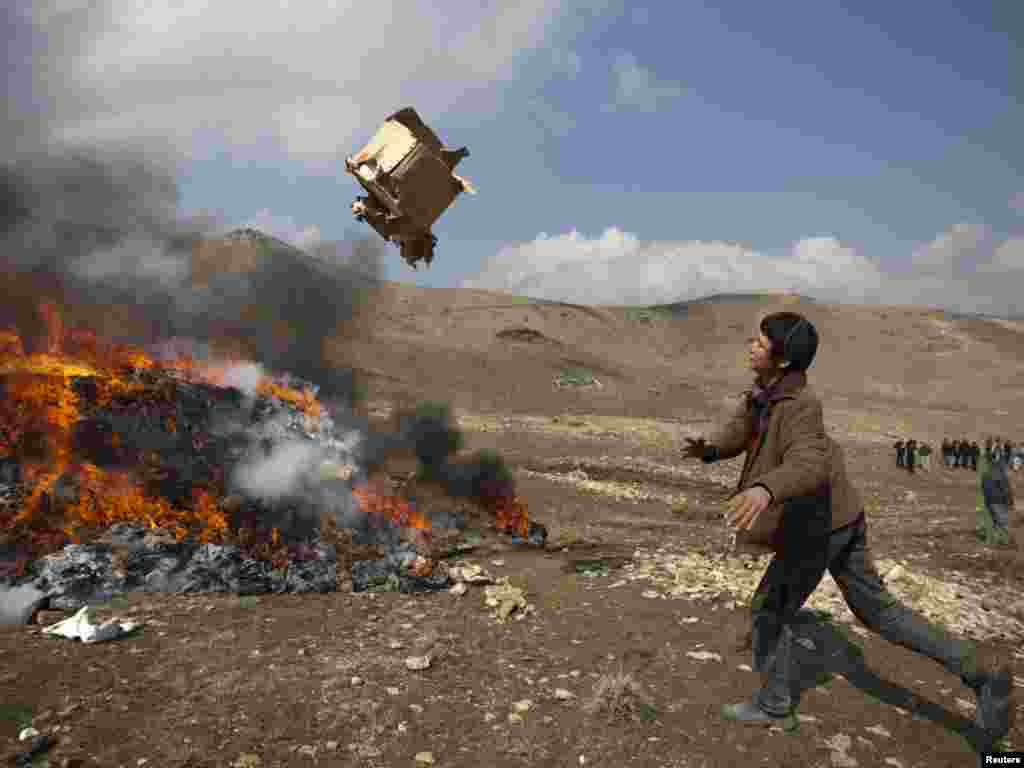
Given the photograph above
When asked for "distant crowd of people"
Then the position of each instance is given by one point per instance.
(959, 454)
(991, 462)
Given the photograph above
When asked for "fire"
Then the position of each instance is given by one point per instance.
(393, 508)
(305, 400)
(510, 511)
(54, 326)
(511, 515)
(216, 373)
(39, 408)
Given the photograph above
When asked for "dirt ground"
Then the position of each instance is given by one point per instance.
(597, 672)
(216, 680)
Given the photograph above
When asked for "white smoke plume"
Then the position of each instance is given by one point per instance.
(286, 471)
(244, 377)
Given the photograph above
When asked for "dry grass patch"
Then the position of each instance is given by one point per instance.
(611, 488)
(619, 696)
(565, 536)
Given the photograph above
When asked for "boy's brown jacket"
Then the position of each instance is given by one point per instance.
(794, 457)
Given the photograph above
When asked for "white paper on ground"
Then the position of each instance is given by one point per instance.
(80, 627)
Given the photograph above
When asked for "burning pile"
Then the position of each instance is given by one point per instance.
(125, 468)
(95, 434)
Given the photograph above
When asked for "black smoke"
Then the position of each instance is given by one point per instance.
(435, 439)
(91, 225)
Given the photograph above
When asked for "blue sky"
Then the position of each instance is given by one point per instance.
(865, 151)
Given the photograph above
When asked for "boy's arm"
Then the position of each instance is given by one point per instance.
(805, 453)
(734, 438)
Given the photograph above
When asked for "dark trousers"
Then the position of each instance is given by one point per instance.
(790, 579)
(899, 458)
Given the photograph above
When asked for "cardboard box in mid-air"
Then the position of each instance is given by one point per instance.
(410, 180)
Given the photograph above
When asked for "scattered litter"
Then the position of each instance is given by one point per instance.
(470, 573)
(417, 663)
(424, 758)
(591, 567)
(745, 668)
(651, 594)
(703, 655)
(27, 733)
(563, 694)
(459, 589)
(954, 600)
(878, 730)
(497, 563)
(80, 627)
(522, 706)
(505, 598)
(690, 620)
(840, 745)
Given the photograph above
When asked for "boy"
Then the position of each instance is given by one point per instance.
(792, 469)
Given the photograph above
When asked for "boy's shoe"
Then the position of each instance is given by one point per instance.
(994, 712)
(749, 713)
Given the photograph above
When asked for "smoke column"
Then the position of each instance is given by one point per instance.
(90, 226)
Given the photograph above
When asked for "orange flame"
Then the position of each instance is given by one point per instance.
(305, 400)
(54, 326)
(38, 413)
(393, 508)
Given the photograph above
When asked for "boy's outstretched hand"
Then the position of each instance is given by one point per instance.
(694, 449)
(744, 508)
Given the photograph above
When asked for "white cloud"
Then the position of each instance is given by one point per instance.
(312, 79)
(1010, 254)
(619, 268)
(947, 251)
(637, 87)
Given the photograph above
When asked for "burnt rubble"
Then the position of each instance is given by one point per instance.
(274, 471)
(397, 571)
(179, 438)
(131, 559)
